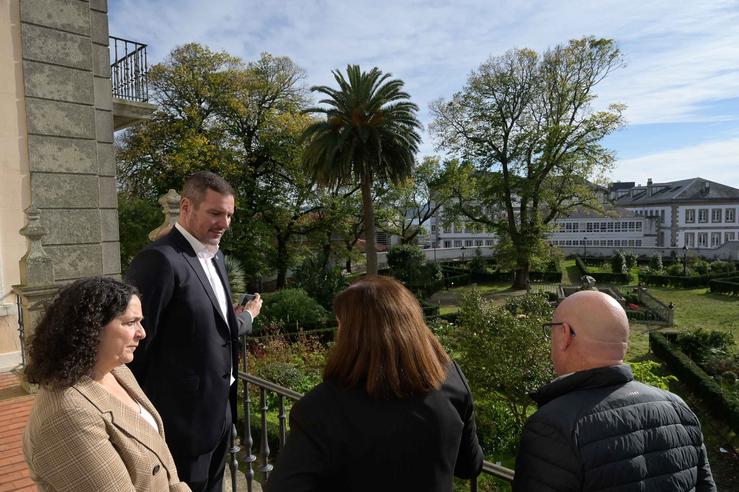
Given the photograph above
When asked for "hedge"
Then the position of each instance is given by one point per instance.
(719, 404)
(689, 281)
(725, 286)
(616, 278)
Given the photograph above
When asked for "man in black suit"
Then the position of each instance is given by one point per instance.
(187, 364)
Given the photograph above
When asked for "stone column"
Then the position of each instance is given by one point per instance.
(66, 70)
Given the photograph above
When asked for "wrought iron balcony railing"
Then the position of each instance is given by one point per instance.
(129, 69)
(264, 467)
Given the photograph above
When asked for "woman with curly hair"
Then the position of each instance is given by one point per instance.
(393, 412)
(91, 426)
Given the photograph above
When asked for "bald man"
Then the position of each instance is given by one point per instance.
(598, 429)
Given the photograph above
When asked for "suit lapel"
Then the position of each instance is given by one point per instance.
(122, 416)
(189, 254)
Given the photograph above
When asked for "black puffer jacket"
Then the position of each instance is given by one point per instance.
(599, 430)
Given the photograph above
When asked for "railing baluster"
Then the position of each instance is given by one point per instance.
(249, 459)
(234, 463)
(265, 467)
(283, 427)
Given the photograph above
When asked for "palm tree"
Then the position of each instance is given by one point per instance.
(370, 133)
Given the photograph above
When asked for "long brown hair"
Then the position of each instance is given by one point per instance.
(383, 342)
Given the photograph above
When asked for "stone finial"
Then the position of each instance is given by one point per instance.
(36, 267)
(587, 283)
(171, 209)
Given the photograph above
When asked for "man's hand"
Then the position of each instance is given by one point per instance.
(253, 306)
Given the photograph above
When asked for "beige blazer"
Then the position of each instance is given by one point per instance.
(83, 439)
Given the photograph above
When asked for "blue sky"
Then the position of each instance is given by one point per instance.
(680, 82)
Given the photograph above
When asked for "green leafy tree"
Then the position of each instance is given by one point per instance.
(411, 203)
(502, 349)
(369, 133)
(529, 140)
(136, 218)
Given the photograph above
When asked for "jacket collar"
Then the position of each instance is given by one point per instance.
(121, 415)
(583, 380)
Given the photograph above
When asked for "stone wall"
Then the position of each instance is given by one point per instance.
(66, 67)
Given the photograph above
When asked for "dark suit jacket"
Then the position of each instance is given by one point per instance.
(344, 440)
(185, 362)
(83, 439)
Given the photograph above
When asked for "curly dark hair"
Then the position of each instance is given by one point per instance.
(65, 343)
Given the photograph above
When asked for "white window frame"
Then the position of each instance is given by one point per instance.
(715, 215)
(702, 215)
(690, 216)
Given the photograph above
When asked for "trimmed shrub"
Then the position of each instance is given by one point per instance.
(723, 408)
(720, 266)
(292, 309)
(618, 263)
(725, 285)
(655, 263)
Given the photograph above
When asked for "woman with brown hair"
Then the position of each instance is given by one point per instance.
(393, 412)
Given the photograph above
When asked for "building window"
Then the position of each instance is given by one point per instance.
(638, 226)
(702, 239)
(488, 242)
(458, 243)
(715, 239)
(575, 227)
(729, 236)
(468, 242)
(447, 244)
(662, 216)
(589, 227)
(716, 215)
(610, 227)
(631, 242)
(478, 242)
(690, 216)
(690, 239)
(638, 242)
(730, 215)
(433, 228)
(702, 215)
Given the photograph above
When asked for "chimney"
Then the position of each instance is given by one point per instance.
(649, 187)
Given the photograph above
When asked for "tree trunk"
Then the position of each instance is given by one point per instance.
(281, 262)
(370, 248)
(522, 274)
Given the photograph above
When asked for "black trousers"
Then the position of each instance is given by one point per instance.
(204, 473)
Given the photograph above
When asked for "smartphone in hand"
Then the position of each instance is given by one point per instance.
(246, 298)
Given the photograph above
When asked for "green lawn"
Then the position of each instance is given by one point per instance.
(694, 308)
(448, 299)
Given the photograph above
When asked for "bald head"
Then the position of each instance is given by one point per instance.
(601, 332)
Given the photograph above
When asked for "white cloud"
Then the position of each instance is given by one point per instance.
(716, 160)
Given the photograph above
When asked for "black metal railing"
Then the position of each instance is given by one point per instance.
(129, 69)
(264, 467)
